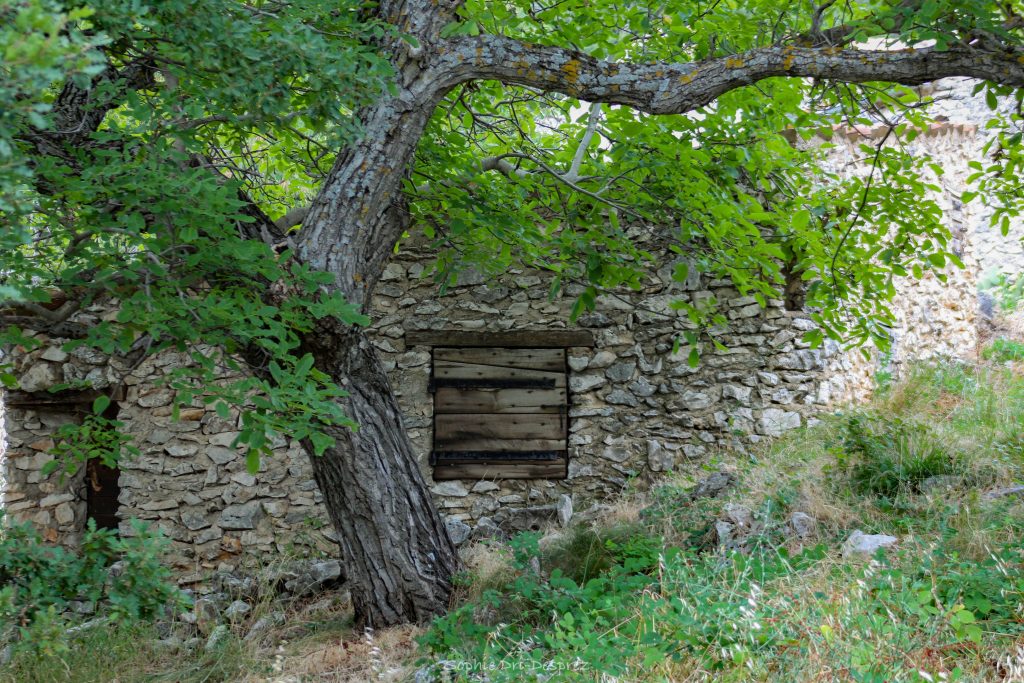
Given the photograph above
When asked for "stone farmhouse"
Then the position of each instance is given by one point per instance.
(518, 417)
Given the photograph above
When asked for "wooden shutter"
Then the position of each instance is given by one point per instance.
(500, 413)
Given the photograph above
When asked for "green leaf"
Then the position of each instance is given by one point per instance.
(100, 405)
(321, 442)
(252, 461)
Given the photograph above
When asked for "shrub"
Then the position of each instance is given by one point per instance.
(1003, 350)
(39, 582)
(885, 457)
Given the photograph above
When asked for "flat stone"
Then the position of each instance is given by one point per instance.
(55, 354)
(484, 487)
(40, 377)
(775, 422)
(64, 514)
(696, 400)
(244, 479)
(194, 521)
(218, 636)
(602, 359)
(264, 624)
(458, 530)
(616, 453)
(486, 529)
(237, 610)
(713, 486)
(579, 384)
(594, 319)
(180, 449)
(563, 508)
(802, 525)
(241, 516)
(621, 372)
(737, 392)
(451, 489)
(864, 545)
(221, 455)
(169, 504)
(56, 499)
(621, 397)
(578, 363)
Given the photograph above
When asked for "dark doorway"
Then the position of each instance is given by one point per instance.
(102, 491)
(102, 487)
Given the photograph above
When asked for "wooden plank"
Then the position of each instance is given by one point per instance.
(69, 397)
(455, 457)
(444, 369)
(457, 429)
(493, 444)
(538, 339)
(449, 400)
(529, 359)
(558, 469)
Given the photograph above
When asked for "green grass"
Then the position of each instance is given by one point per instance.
(128, 653)
(648, 597)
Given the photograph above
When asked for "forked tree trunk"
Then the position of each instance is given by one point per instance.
(397, 554)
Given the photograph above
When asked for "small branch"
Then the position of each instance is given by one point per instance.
(65, 329)
(293, 217)
(573, 173)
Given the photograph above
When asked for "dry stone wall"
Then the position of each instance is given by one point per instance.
(188, 481)
(636, 409)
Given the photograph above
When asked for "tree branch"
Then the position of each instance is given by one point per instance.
(661, 88)
(573, 173)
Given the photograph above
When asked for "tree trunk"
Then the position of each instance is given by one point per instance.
(398, 557)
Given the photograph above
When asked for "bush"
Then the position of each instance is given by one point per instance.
(39, 582)
(1004, 350)
(885, 457)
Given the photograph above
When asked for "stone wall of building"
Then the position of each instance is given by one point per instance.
(188, 481)
(636, 409)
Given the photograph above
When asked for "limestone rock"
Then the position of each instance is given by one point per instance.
(458, 530)
(217, 638)
(564, 509)
(659, 459)
(713, 486)
(264, 624)
(236, 610)
(802, 525)
(620, 372)
(452, 489)
(486, 529)
(775, 421)
(40, 377)
(864, 545)
(241, 516)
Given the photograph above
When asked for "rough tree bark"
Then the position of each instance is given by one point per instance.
(398, 556)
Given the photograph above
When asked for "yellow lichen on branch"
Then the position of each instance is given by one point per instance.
(571, 69)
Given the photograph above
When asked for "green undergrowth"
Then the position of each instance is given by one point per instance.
(648, 594)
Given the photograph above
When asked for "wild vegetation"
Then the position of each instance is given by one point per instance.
(653, 589)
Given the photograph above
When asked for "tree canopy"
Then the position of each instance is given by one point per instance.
(238, 173)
